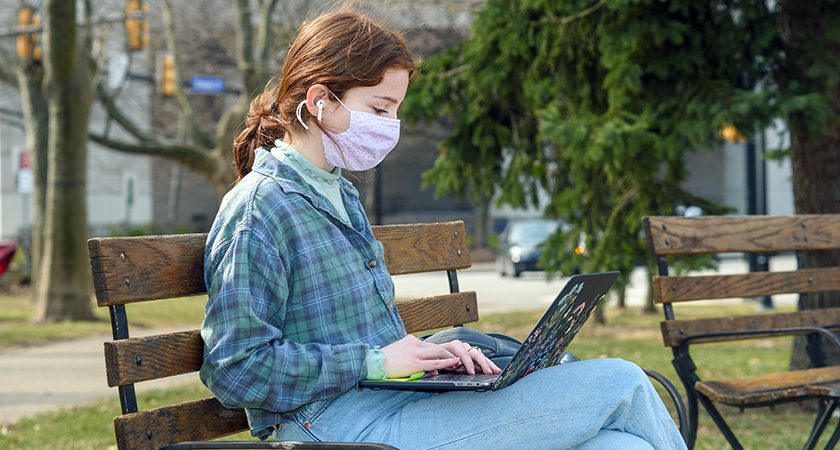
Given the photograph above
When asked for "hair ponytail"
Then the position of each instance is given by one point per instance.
(262, 128)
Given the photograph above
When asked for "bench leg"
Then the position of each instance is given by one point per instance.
(824, 410)
(693, 414)
(835, 436)
(718, 419)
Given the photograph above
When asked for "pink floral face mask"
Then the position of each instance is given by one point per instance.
(364, 144)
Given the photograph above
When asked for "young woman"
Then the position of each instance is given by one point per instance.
(301, 304)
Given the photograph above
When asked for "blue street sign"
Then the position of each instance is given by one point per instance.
(207, 85)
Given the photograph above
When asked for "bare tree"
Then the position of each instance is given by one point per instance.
(56, 98)
(209, 152)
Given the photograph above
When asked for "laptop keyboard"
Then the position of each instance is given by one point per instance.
(478, 378)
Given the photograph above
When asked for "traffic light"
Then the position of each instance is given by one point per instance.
(28, 46)
(731, 134)
(167, 75)
(136, 25)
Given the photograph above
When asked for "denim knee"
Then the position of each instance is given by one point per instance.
(626, 371)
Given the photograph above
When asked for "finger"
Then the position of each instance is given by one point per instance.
(467, 358)
(433, 365)
(482, 362)
(487, 366)
(435, 352)
(461, 350)
(496, 369)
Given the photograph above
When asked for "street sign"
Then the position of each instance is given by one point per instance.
(25, 178)
(200, 84)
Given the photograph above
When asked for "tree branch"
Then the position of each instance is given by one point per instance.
(584, 13)
(265, 38)
(116, 113)
(244, 43)
(188, 156)
(202, 138)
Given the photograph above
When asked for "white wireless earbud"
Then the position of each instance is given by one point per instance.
(320, 105)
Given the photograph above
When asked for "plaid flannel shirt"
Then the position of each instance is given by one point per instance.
(296, 296)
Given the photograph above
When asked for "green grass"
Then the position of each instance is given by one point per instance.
(629, 334)
(17, 330)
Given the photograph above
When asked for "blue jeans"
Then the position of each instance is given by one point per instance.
(592, 404)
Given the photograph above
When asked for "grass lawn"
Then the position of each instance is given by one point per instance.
(17, 331)
(629, 334)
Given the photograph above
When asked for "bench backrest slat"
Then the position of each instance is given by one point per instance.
(674, 332)
(755, 284)
(669, 235)
(134, 269)
(182, 352)
(198, 420)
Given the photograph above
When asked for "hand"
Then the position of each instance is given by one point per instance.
(470, 358)
(410, 355)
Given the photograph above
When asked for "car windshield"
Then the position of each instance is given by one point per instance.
(531, 231)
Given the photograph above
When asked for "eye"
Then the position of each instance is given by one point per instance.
(380, 111)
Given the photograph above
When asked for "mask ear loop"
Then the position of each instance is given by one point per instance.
(300, 105)
(339, 100)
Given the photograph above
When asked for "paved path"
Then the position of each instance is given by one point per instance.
(63, 374)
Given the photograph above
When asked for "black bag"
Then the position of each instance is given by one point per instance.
(498, 347)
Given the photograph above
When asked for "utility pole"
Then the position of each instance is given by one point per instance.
(757, 204)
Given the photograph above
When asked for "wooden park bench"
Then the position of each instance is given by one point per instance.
(139, 269)
(681, 236)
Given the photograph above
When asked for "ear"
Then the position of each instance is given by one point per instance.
(316, 93)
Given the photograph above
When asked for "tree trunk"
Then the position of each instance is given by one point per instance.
(483, 225)
(36, 115)
(600, 318)
(816, 167)
(650, 305)
(622, 299)
(814, 158)
(64, 290)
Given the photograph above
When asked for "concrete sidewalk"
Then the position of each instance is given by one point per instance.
(43, 378)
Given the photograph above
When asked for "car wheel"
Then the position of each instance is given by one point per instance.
(510, 268)
(500, 267)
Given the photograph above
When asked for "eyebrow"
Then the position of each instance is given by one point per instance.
(387, 98)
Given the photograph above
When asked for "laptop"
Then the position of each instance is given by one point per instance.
(542, 348)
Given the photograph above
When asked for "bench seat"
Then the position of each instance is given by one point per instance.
(771, 388)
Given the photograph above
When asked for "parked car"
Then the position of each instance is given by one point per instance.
(520, 245)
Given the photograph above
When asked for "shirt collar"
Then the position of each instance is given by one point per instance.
(292, 157)
(290, 181)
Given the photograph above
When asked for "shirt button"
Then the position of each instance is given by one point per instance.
(371, 263)
(390, 304)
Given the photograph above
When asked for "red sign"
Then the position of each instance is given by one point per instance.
(24, 159)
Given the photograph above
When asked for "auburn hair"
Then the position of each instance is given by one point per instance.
(340, 50)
